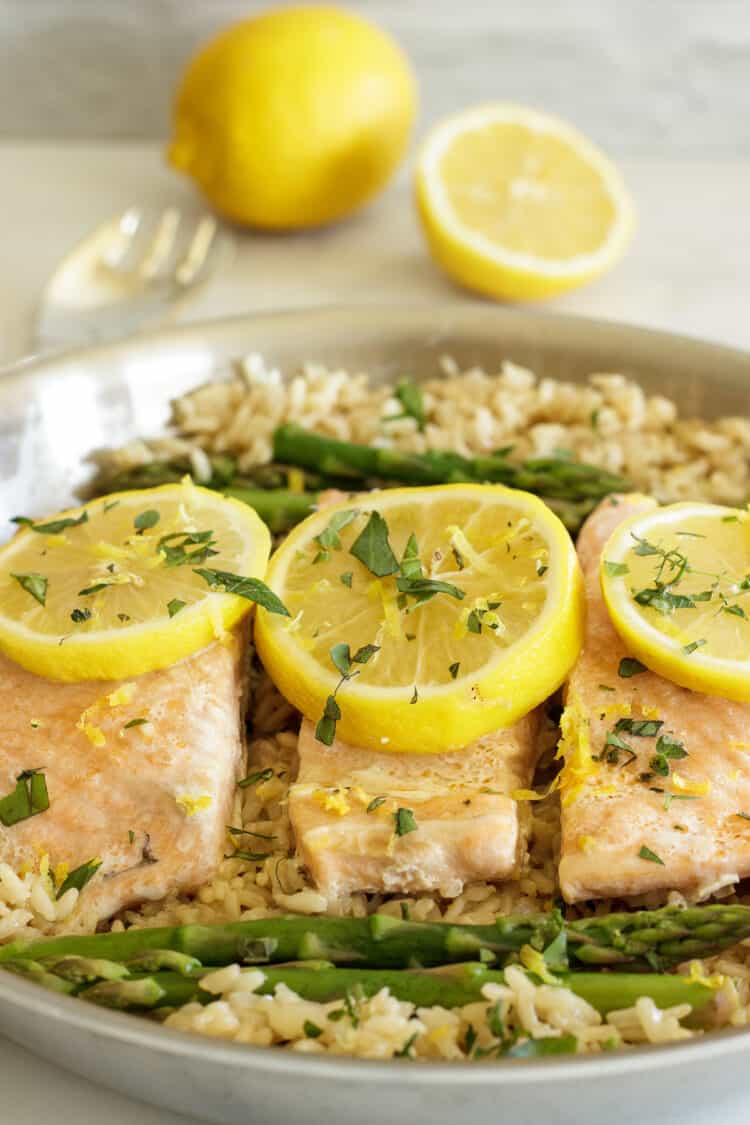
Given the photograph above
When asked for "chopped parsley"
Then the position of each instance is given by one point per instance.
(54, 527)
(667, 748)
(80, 615)
(615, 569)
(174, 547)
(375, 803)
(346, 578)
(737, 610)
(329, 538)
(34, 584)
(79, 876)
(641, 728)
(344, 662)
(629, 666)
(87, 590)
(651, 857)
(415, 695)
(744, 815)
(29, 798)
(406, 1051)
(409, 394)
(321, 557)
(145, 520)
(311, 1030)
(246, 832)
(373, 549)
(174, 606)
(139, 722)
(248, 857)
(250, 588)
(256, 777)
(688, 649)
(131, 835)
(404, 821)
(454, 669)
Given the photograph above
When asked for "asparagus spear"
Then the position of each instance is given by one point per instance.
(279, 509)
(378, 941)
(573, 486)
(450, 987)
(642, 939)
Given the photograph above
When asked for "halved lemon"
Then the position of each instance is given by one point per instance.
(676, 581)
(110, 589)
(423, 618)
(519, 205)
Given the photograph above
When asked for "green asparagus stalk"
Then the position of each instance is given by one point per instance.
(573, 486)
(378, 941)
(643, 939)
(279, 509)
(450, 987)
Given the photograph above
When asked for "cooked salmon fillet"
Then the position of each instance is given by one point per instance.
(613, 810)
(151, 800)
(468, 826)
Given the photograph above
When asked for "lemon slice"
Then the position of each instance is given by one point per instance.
(377, 652)
(676, 581)
(517, 204)
(110, 590)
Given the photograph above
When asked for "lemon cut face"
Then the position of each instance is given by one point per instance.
(110, 589)
(519, 205)
(463, 603)
(676, 581)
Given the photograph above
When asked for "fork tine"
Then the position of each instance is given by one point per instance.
(162, 244)
(197, 253)
(127, 228)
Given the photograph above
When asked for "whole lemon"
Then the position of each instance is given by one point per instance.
(295, 117)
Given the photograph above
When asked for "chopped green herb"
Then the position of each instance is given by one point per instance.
(664, 601)
(373, 548)
(29, 798)
(605, 687)
(615, 569)
(311, 1030)
(629, 666)
(329, 538)
(110, 505)
(131, 835)
(405, 909)
(460, 559)
(641, 728)
(325, 731)
(730, 519)
(410, 565)
(454, 668)
(80, 876)
(541, 569)
(248, 857)
(93, 589)
(256, 777)
(139, 722)
(688, 649)
(409, 394)
(737, 610)
(321, 557)
(250, 588)
(175, 606)
(34, 584)
(375, 803)
(346, 578)
(406, 1051)
(246, 832)
(79, 615)
(744, 815)
(473, 622)
(423, 589)
(652, 857)
(54, 527)
(415, 695)
(404, 821)
(174, 547)
(145, 520)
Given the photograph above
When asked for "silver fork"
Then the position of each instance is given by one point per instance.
(128, 273)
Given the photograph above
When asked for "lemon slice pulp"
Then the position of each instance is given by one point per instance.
(517, 204)
(109, 590)
(676, 581)
(494, 638)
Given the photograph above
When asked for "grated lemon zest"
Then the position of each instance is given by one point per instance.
(61, 872)
(463, 546)
(332, 801)
(575, 750)
(193, 805)
(686, 785)
(122, 694)
(296, 481)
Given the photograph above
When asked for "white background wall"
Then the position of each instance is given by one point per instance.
(641, 76)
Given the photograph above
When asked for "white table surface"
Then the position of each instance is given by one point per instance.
(687, 271)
